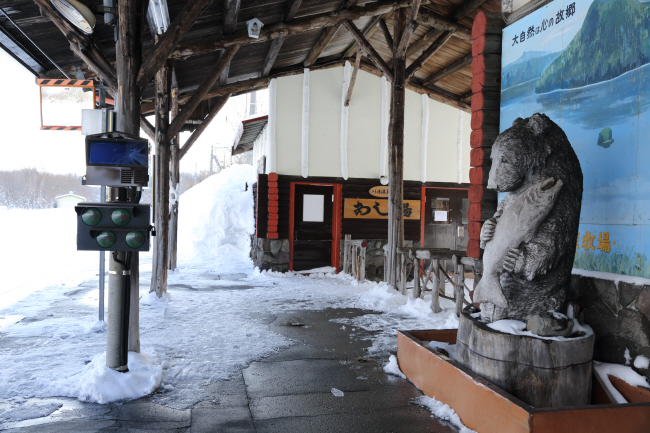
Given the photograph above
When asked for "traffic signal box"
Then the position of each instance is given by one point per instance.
(113, 227)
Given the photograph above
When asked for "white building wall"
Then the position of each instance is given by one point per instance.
(287, 130)
(364, 130)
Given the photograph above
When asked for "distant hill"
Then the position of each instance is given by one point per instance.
(529, 66)
(613, 40)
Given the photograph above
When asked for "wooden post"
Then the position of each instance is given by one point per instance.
(346, 254)
(402, 269)
(435, 301)
(396, 159)
(416, 278)
(160, 253)
(174, 175)
(460, 288)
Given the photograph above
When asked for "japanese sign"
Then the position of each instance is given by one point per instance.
(585, 64)
(377, 209)
(379, 191)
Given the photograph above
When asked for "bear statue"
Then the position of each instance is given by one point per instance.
(534, 163)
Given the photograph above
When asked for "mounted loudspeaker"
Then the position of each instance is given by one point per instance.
(77, 13)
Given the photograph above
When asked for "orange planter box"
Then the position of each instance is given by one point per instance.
(486, 408)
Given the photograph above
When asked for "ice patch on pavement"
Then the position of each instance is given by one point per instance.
(337, 392)
(28, 410)
(392, 367)
(443, 411)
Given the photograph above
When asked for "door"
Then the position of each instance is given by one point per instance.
(312, 226)
(445, 219)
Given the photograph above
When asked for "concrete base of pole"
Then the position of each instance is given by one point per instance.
(114, 323)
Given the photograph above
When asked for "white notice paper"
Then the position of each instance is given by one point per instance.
(440, 215)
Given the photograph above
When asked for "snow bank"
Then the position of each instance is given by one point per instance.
(100, 384)
(216, 219)
(443, 411)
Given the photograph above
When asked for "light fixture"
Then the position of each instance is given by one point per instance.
(77, 13)
(254, 28)
(158, 16)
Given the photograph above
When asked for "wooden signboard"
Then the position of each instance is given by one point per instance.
(379, 191)
(370, 208)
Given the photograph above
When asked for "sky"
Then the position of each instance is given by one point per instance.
(24, 145)
(554, 39)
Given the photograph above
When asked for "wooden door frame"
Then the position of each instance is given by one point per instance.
(423, 203)
(337, 206)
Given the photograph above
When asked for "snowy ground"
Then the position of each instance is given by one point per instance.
(211, 326)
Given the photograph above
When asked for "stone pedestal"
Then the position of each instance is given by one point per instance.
(541, 373)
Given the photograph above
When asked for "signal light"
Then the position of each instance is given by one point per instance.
(113, 226)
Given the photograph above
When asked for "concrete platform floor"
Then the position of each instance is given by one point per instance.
(287, 392)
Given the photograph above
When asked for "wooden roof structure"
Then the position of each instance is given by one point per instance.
(296, 34)
(249, 130)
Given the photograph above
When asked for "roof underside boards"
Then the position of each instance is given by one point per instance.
(249, 60)
(251, 129)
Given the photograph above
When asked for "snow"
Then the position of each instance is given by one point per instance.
(443, 411)
(517, 327)
(209, 326)
(622, 372)
(337, 392)
(449, 348)
(392, 367)
(627, 356)
(641, 362)
(638, 281)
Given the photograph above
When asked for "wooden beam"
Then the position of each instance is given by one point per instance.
(147, 127)
(433, 19)
(291, 9)
(323, 41)
(411, 23)
(219, 104)
(426, 54)
(434, 94)
(454, 67)
(230, 13)
(466, 8)
(384, 28)
(367, 32)
(422, 42)
(160, 254)
(168, 41)
(353, 78)
(202, 90)
(295, 27)
(371, 53)
(274, 50)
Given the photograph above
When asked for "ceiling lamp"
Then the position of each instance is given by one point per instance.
(77, 13)
(254, 28)
(158, 16)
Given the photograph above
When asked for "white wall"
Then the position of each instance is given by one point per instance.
(364, 130)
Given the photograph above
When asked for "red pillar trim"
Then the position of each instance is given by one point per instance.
(292, 211)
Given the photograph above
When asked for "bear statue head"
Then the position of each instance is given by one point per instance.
(520, 152)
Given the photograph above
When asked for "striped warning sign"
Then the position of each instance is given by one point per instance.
(64, 82)
(61, 128)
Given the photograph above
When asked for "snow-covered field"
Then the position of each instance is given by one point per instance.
(208, 328)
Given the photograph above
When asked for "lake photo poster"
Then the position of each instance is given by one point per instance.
(586, 65)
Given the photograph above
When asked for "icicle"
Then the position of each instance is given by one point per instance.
(383, 158)
(305, 123)
(270, 158)
(424, 138)
(459, 146)
(344, 122)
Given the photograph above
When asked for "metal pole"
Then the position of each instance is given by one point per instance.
(102, 265)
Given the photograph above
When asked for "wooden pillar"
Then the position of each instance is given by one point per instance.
(129, 59)
(160, 253)
(396, 153)
(435, 301)
(174, 174)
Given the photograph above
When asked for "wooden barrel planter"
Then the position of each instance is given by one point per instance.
(542, 373)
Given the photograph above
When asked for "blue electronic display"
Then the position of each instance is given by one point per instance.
(118, 153)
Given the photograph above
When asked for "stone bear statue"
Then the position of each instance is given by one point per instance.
(536, 275)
